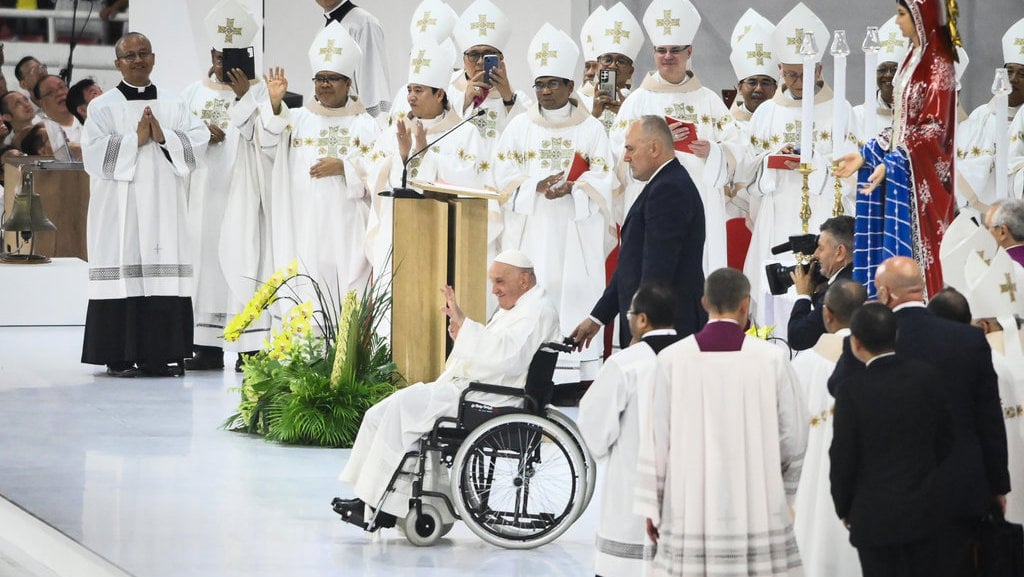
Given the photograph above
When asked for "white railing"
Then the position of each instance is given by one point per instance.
(51, 16)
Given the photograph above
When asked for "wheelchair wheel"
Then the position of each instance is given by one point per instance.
(518, 481)
(424, 530)
(563, 420)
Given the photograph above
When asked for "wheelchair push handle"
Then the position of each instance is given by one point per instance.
(566, 346)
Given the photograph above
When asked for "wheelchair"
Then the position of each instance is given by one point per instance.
(519, 476)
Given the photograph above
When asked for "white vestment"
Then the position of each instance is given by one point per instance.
(498, 353)
(883, 119)
(823, 540)
(775, 124)
(1008, 362)
(691, 102)
(136, 229)
(609, 422)
(1016, 156)
(975, 157)
(372, 80)
(320, 221)
(455, 159)
(496, 116)
(61, 136)
(228, 243)
(567, 238)
(720, 459)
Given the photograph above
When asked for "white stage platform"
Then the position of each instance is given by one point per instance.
(55, 293)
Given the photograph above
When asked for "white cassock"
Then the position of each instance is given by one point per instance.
(720, 459)
(609, 420)
(228, 220)
(372, 80)
(823, 540)
(61, 136)
(690, 102)
(776, 123)
(567, 238)
(498, 353)
(739, 202)
(883, 119)
(455, 159)
(1016, 156)
(975, 157)
(497, 115)
(1008, 362)
(136, 228)
(320, 221)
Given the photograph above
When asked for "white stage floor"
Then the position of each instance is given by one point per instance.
(139, 472)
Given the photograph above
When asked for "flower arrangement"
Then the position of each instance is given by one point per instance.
(312, 385)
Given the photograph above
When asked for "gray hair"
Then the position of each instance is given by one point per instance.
(1011, 214)
(725, 289)
(655, 128)
(119, 45)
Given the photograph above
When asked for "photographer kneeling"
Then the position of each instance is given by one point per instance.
(834, 258)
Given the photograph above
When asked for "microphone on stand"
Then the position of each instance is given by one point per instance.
(405, 191)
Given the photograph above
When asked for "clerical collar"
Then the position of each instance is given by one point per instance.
(557, 114)
(137, 93)
(339, 11)
(429, 123)
(659, 332)
(876, 357)
(733, 321)
(661, 79)
(908, 305)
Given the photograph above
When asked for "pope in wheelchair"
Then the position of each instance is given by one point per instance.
(520, 473)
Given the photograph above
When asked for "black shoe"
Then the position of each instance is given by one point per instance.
(167, 369)
(206, 359)
(122, 370)
(241, 359)
(339, 501)
(352, 513)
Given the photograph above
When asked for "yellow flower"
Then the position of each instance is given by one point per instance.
(345, 328)
(763, 333)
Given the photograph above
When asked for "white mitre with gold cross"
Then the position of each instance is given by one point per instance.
(334, 50)
(894, 45)
(432, 19)
(618, 32)
(752, 52)
(588, 31)
(789, 35)
(1013, 44)
(483, 23)
(963, 238)
(553, 53)
(671, 22)
(230, 25)
(429, 64)
(994, 287)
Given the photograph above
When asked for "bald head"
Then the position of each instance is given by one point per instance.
(842, 299)
(899, 280)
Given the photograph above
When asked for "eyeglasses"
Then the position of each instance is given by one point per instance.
(609, 60)
(551, 85)
(754, 83)
(674, 50)
(133, 56)
(475, 56)
(791, 76)
(886, 69)
(328, 79)
(60, 88)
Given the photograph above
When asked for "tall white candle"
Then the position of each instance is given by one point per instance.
(1001, 90)
(840, 50)
(871, 47)
(809, 51)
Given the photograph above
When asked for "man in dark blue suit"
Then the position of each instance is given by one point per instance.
(662, 236)
(834, 257)
(975, 476)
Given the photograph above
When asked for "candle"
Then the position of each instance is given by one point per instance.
(809, 51)
(840, 50)
(1001, 90)
(871, 46)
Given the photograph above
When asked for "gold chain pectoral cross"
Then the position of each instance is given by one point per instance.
(330, 51)
(229, 31)
(333, 142)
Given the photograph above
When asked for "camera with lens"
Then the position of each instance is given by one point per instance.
(803, 247)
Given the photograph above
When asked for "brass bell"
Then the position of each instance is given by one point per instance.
(27, 217)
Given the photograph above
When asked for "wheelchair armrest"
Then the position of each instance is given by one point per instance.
(475, 387)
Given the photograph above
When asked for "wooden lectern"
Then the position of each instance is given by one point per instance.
(439, 240)
(64, 188)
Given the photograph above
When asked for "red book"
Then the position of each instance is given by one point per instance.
(579, 166)
(683, 145)
(779, 160)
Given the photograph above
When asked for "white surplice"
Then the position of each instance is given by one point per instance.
(567, 238)
(883, 119)
(227, 243)
(498, 353)
(1008, 361)
(774, 124)
(455, 159)
(609, 420)
(823, 540)
(320, 221)
(720, 459)
(372, 79)
(688, 101)
(136, 228)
